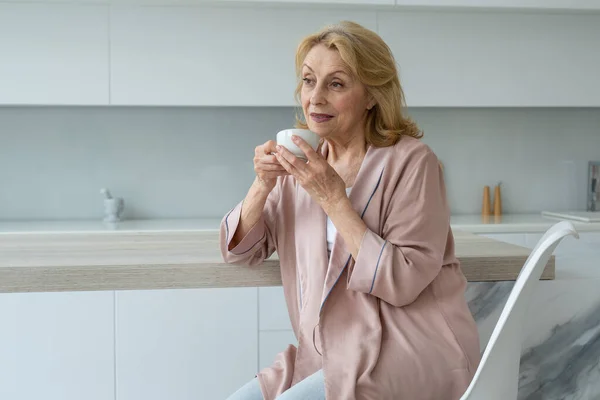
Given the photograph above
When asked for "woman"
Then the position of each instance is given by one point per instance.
(373, 289)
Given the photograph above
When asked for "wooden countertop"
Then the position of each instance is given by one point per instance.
(44, 262)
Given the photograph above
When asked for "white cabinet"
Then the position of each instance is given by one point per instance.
(330, 2)
(236, 2)
(211, 56)
(53, 54)
(185, 344)
(232, 53)
(275, 329)
(57, 346)
(467, 59)
(272, 343)
(506, 4)
(575, 5)
(272, 311)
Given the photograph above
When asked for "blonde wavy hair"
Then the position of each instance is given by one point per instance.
(371, 61)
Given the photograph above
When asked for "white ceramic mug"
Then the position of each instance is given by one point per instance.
(284, 138)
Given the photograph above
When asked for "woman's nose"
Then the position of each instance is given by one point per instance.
(318, 97)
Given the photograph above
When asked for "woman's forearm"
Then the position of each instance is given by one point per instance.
(252, 209)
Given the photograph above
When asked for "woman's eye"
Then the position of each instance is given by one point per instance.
(308, 81)
(336, 84)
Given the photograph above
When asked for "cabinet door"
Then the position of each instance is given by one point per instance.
(211, 56)
(185, 344)
(336, 2)
(57, 346)
(511, 5)
(495, 59)
(272, 309)
(271, 343)
(53, 54)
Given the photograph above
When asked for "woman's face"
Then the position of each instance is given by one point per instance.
(334, 102)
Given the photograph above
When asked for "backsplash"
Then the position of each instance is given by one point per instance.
(193, 162)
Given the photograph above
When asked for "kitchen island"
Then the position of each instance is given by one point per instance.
(138, 259)
(147, 309)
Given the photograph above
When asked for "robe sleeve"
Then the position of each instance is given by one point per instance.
(260, 242)
(399, 264)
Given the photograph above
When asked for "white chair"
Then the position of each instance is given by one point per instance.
(497, 377)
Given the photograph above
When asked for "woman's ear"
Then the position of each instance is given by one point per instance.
(371, 102)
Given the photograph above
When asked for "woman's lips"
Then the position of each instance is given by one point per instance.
(320, 117)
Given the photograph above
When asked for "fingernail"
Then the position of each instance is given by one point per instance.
(278, 147)
(294, 138)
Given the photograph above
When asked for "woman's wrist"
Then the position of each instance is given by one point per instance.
(348, 223)
(260, 188)
(252, 209)
(338, 205)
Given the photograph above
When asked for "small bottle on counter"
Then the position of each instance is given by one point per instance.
(497, 201)
(486, 207)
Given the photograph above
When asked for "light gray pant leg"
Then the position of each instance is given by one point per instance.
(250, 391)
(311, 388)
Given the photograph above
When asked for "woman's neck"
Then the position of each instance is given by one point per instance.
(346, 156)
(346, 151)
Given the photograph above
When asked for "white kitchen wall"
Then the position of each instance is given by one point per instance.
(197, 162)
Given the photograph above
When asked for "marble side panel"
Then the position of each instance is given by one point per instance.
(561, 341)
(561, 348)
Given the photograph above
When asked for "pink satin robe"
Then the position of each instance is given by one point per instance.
(392, 324)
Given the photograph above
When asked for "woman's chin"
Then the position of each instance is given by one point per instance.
(323, 133)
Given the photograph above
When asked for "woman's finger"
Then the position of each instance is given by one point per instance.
(269, 147)
(270, 167)
(266, 160)
(320, 146)
(274, 174)
(270, 159)
(285, 164)
(310, 153)
(287, 155)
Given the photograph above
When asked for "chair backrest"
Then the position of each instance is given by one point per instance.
(497, 377)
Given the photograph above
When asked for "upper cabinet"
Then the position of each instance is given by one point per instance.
(55, 54)
(332, 2)
(505, 4)
(242, 54)
(236, 2)
(211, 56)
(575, 5)
(449, 59)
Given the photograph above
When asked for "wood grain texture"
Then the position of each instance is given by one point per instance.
(171, 260)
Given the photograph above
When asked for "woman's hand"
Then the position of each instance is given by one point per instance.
(266, 165)
(316, 176)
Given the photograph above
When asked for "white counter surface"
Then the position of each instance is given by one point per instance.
(91, 226)
(513, 223)
(510, 223)
(36, 244)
